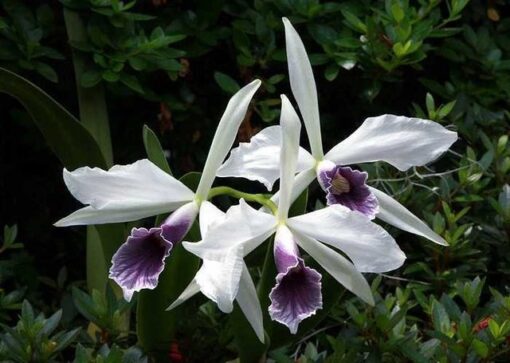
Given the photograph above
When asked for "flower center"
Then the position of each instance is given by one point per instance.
(339, 184)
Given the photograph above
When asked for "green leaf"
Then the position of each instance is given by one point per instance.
(154, 150)
(354, 21)
(480, 348)
(431, 106)
(446, 109)
(331, 72)
(46, 71)
(90, 78)
(68, 139)
(397, 12)
(227, 83)
(440, 318)
(132, 82)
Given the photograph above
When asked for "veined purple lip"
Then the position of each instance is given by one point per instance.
(297, 293)
(348, 187)
(140, 260)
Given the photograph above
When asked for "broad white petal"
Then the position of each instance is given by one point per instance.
(209, 216)
(249, 303)
(368, 245)
(123, 193)
(338, 267)
(259, 159)
(225, 135)
(400, 141)
(191, 290)
(303, 88)
(301, 182)
(291, 128)
(219, 280)
(223, 248)
(396, 214)
(243, 226)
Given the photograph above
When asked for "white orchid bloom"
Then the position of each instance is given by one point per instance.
(130, 192)
(297, 293)
(206, 278)
(400, 141)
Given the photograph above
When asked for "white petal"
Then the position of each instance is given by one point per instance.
(259, 160)
(291, 128)
(249, 303)
(243, 226)
(303, 88)
(209, 216)
(219, 280)
(368, 245)
(225, 135)
(338, 267)
(191, 290)
(223, 248)
(396, 214)
(401, 141)
(89, 215)
(301, 182)
(123, 193)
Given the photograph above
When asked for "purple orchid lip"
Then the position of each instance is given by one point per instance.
(138, 263)
(140, 260)
(348, 187)
(297, 293)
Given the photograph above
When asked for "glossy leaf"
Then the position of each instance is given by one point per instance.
(68, 139)
(154, 150)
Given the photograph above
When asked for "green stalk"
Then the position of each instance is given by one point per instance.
(94, 117)
(257, 198)
(92, 102)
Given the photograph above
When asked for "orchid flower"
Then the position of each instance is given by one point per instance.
(204, 280)
(400, 141)
(130, 192)
(297, 292)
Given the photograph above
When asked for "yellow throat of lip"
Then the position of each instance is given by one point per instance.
(340, 185)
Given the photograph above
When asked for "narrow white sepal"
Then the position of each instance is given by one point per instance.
(249, 303)
(225, 135)
(397, 215)
(303, 87)
(291, 128)
(191, 290)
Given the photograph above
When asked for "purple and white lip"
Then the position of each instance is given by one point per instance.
(140, 260)
(297, 293)
(347, 186)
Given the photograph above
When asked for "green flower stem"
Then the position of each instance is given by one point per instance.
(261, 199)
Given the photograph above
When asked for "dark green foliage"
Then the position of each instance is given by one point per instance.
(24, 33)
(172, 65)
(33, 338)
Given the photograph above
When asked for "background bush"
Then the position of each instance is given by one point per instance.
(173, 65)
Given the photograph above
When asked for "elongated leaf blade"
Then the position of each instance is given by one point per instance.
(154, 150)
(68, 139)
